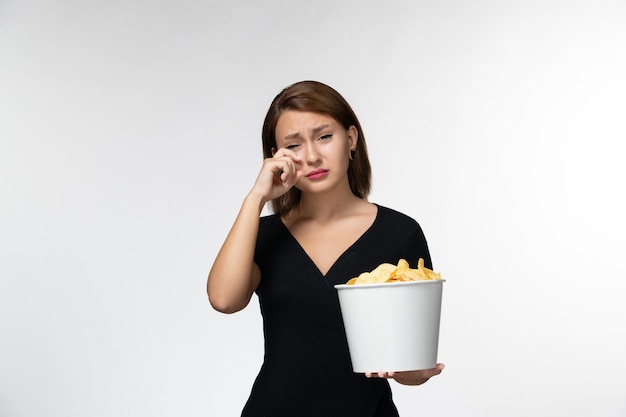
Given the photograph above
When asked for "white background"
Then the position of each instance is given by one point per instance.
(130, 132)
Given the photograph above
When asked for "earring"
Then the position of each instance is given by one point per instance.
(352, 154)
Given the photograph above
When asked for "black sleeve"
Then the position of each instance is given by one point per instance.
(418, 248)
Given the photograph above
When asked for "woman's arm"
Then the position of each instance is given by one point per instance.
(234, 276)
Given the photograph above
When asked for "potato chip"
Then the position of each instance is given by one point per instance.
(402, 272)
(382, 273)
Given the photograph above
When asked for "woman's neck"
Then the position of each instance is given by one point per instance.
(327, 207)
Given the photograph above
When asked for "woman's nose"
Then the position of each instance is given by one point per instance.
(312, 155)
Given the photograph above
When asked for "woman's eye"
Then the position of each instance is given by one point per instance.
(294, 146)
(324, 137)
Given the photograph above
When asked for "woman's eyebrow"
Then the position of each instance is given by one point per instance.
(315, 130)
(292, 136)
(320, 128)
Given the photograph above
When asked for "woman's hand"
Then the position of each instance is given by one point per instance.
(409, 377)
(278, 174)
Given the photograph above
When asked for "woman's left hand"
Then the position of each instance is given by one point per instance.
(409, 377)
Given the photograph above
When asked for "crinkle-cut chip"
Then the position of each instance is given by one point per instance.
(409, 275)
(427, 274)
(402, 263)
(383, 271)
(364, 278)
(367, 278)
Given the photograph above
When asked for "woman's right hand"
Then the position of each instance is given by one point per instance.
(278, 174)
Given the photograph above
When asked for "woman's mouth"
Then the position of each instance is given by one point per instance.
(317, 174)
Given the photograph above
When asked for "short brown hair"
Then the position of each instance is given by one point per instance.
(313, 96)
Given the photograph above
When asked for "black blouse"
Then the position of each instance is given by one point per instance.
(306, 369)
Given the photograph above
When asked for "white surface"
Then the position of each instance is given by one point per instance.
(393, 326)
(130, 132)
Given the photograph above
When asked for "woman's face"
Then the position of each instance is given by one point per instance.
(322, 143)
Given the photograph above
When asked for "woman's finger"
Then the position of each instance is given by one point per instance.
(288, 172)
(286, 169)
(288, 153)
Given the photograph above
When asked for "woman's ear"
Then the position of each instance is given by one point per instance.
(353, 136)
(273, 150)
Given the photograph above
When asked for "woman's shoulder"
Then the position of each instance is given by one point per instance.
(269, 222)
(272, 217)
(270, 230)
(387, 214)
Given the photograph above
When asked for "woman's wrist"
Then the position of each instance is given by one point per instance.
(255, 200)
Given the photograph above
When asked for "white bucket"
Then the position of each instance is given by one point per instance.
(392, 326)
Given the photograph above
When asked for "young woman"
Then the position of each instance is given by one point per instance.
(322, 232)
